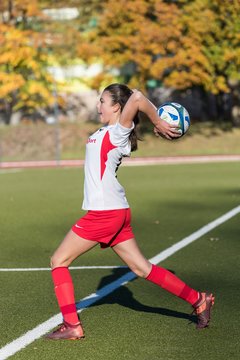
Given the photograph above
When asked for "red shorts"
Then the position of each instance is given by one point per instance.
(108, 227)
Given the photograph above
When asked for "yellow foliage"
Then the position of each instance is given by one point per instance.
(101, 81)
(35, 87)
(221, 84)
(10, 83)
(24, 80)
(182, 44)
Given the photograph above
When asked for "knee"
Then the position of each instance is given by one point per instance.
(142, 271)
(53, 262)
(57, 261)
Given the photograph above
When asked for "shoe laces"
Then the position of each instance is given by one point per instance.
(61, 327)
(201, 306)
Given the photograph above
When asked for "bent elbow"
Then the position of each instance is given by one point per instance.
(136, 97)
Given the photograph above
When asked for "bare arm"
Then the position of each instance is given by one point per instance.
(139, 102)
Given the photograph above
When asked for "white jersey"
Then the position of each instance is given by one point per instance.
(104, 152)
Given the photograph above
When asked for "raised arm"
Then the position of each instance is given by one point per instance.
(139, 102)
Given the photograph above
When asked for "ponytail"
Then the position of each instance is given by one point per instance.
(133, 137)
(120, 94)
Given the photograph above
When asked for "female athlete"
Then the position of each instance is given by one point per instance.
(108, 218)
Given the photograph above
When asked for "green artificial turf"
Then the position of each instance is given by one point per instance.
(138, 320)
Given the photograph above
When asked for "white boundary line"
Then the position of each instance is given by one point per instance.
(70, 268)
(34, 334)
(9, 171)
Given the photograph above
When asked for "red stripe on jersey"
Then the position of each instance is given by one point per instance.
(105, 148)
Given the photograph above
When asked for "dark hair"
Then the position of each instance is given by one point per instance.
(120, 94)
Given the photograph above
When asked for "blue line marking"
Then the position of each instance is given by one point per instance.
(104, 291)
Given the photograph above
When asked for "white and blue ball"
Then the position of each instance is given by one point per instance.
(175, 114)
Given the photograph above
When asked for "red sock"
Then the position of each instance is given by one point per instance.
(173, 284)
(64, 291)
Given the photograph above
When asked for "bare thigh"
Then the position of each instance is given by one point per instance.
(131, 254)
(70, 248)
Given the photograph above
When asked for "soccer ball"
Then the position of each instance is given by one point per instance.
(176, 114)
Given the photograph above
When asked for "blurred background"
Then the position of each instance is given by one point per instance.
(56, 56)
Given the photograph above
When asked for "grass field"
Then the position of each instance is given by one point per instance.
(138, 321)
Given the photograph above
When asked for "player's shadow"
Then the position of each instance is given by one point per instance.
(124, 297)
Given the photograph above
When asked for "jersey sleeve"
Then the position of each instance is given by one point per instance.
(119, 135)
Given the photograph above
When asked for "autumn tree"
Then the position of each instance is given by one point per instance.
(128, 37)
(213, 27)
(31, 41)
(24, 80)
(180, 44)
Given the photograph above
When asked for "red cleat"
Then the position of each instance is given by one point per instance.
(202, 308)
(67, 332)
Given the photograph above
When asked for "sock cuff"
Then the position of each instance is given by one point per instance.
(61, 275)
(150, 274)
(157, 274)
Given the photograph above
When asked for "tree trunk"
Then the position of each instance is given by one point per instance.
(8, 113)
(224, 107)
(236, 106)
